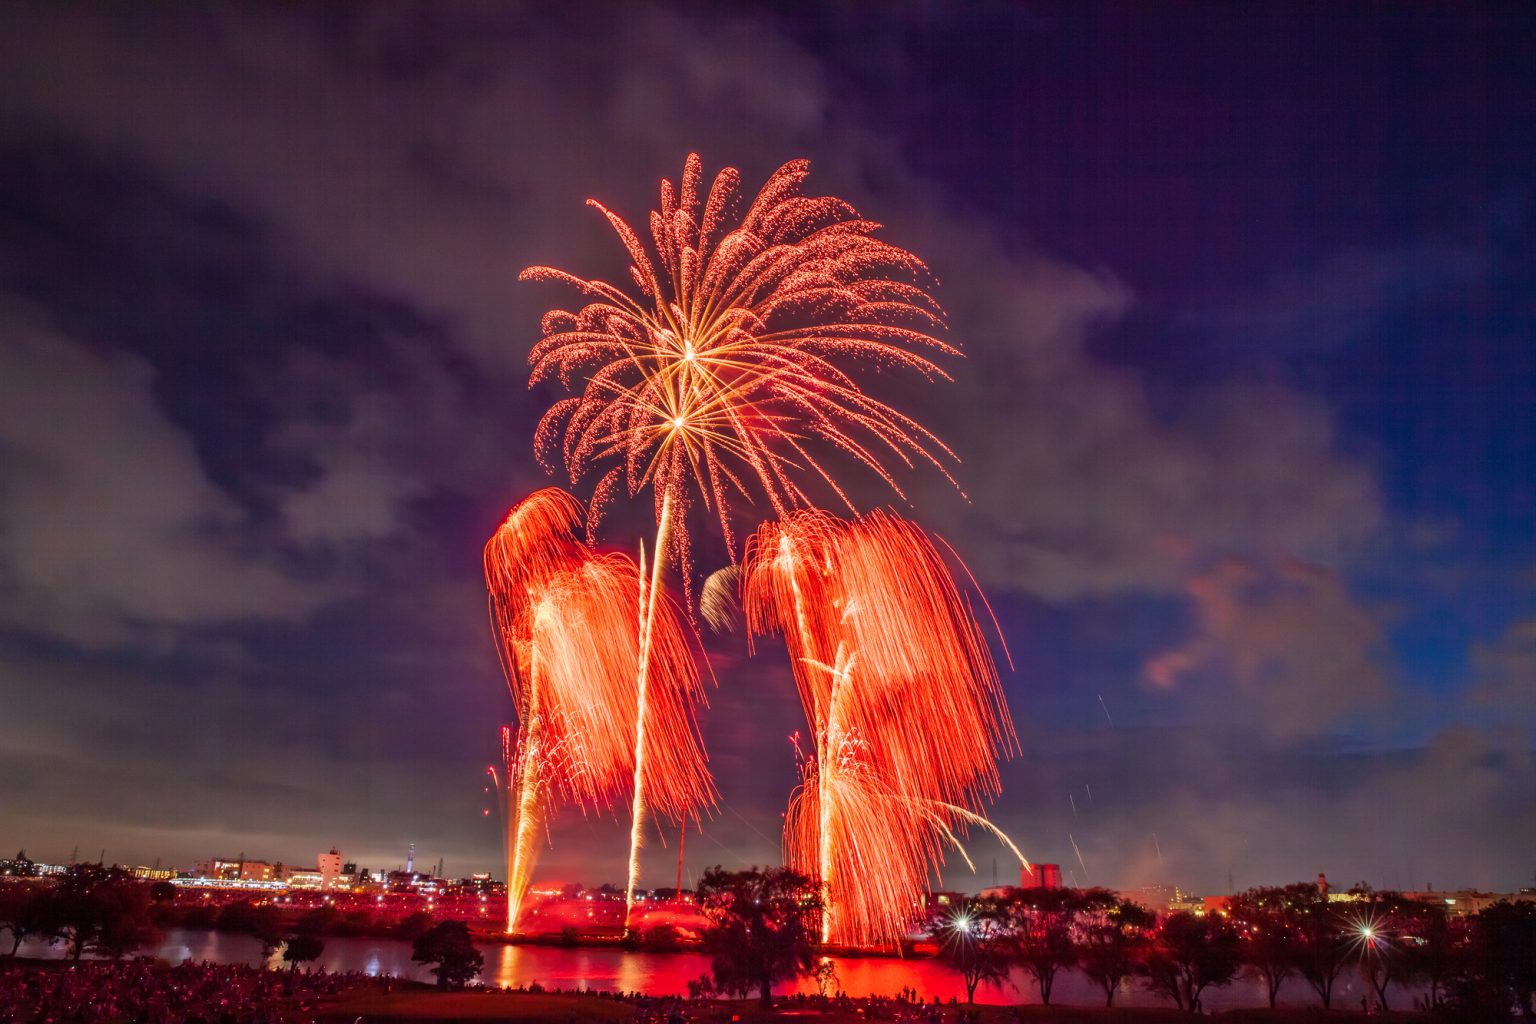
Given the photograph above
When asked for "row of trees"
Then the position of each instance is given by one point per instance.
(90, 908)
(765, 931)
(105, 911)
(1485, 963)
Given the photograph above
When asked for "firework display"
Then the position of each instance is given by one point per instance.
(729, 363)
(903, 701)
(733, 361)
(565, 620)
(725, 374)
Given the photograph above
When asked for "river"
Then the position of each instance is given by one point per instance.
(664, 973)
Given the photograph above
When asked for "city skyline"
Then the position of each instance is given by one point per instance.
(1245, 420)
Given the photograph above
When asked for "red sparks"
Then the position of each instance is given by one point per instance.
(566, 620)
(904, 704)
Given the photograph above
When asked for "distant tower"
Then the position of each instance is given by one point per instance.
(1322, 884)
(410, 858)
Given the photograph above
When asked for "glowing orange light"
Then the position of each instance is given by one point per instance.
(903, 699)
(565, 620)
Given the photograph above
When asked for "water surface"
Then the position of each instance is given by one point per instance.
(666, 973)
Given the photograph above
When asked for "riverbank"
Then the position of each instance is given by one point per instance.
(560, 969)
(126, 990)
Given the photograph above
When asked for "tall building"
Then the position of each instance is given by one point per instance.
(1044, 876)
(329, 866)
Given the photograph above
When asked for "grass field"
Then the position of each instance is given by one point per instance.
(416, 1004)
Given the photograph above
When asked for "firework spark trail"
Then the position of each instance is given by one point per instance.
(728, 363)
(565, 622)
(1081, 863)
(903, 701)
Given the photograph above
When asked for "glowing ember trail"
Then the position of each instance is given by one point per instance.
(564, 618)
(904, 702)
(726, 364)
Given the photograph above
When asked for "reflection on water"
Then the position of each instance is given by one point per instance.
(669, 973)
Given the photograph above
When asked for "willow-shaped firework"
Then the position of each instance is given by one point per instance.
(566, 623)
(733, 361)
(903, 701)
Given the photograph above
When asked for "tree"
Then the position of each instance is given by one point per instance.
(1113, 947)
(414, 924)
(24, 913)
(1438, 954)
(448, 945)
(237, 916)
(1268, 924)
(1042, 923)
(322, 920)
(301, 947)
(162, 892)
(1384, 935)
(764, 928)
(661, 938)
(1505, 950)
(267, 928)
(1322, 950)
(1190, 955)
(975, 942)
(93, 906)
(123, 922)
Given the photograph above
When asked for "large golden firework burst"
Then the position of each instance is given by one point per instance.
(734, 360)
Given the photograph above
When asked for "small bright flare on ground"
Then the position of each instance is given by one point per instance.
(729, 364)
(903, 700)
(565, 618)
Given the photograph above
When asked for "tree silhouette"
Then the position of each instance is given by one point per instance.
(24, 913)
(1190, 955)
(447, 944)
(302, 947)
(1042, 921)
(1114, 945)
(975, 941)
(1505, 950)
(764, 928)
(1269, 923)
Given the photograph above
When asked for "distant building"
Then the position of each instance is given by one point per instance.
(1466, 902)
(237, 869)
(1154, 897)
(329, 867)
(1188, 903)
(1044, 876)
(18, 866)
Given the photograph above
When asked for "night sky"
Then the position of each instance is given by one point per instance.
(1248, 418)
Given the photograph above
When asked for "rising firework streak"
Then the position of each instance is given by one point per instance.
(730, 361)
(565, 620)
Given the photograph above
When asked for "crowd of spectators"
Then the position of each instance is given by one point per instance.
(150, 992)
